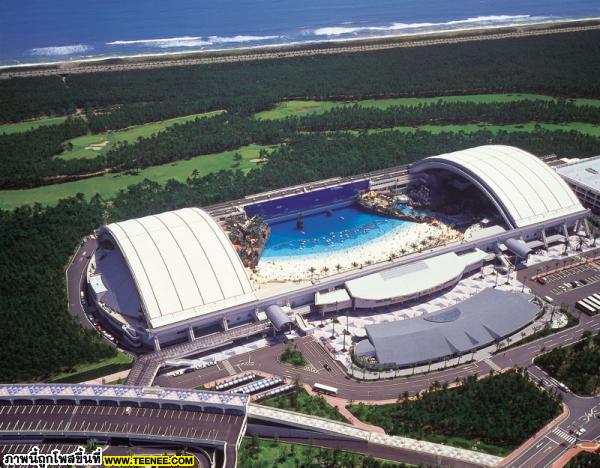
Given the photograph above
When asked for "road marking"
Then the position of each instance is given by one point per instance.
(563, 435)
(228, 367)
(493, 365)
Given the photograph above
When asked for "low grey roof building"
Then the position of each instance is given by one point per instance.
(473, 324)
(278, 317)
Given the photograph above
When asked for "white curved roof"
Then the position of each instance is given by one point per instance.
(183, 265)
(528, 189)
(413, 279)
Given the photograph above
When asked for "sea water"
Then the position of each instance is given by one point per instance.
(37, 31)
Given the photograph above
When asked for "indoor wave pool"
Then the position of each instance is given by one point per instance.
(328, 231)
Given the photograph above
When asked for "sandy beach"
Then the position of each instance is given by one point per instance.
(400, 241)
(107, 62)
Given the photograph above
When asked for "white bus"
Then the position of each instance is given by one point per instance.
(326, 389)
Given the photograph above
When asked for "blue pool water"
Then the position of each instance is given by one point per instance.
(346, 228)
(45, 31)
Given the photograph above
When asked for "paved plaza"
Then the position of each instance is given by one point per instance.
(357, 320)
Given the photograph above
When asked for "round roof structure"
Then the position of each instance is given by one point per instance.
(182, 263)
(524, 188)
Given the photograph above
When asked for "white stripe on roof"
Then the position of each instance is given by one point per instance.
(528, 189)
(182, 263)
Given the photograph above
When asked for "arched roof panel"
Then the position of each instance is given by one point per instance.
(183, 265)
(527, 189)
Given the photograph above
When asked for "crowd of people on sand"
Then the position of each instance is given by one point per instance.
(336, 259)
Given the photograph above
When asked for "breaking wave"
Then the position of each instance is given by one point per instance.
(60, 50)
(191, 41)
(476, 21)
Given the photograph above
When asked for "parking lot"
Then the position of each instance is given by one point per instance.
(566, 286)
(166, 423)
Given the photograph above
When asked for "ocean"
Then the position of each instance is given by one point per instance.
(37, 31)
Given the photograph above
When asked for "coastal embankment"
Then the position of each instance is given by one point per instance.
(341, 46)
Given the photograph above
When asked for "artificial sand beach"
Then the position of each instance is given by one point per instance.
(400, 241)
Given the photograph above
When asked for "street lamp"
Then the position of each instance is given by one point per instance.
(508, 275)
(344, 349)
(332, 337)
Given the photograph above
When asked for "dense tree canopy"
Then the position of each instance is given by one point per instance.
(503, 410)
(38, 335)
(29, 158)
(561, 64)
(577, 366)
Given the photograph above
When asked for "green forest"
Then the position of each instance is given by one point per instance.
(260, 453)
(29, 158)
(577, 366)
(561, 64)
(502, 410)
(40, 339)
(585, 460)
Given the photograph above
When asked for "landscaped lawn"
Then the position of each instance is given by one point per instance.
(581, 127)
(302, 402)
(298, 108)
(105, 141)
(109, 185)
(293, 357)
(89, 371)
(29, 124)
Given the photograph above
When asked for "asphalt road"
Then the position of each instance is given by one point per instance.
(170, 424)
(388, 453)
(548, 447)
(588, 272)
(202, 457)
(583, 412)
(75, 279)
(267, 360)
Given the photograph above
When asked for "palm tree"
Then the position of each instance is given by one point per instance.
(338, 267)
(325, 270)
(312, 270)
(354, 264)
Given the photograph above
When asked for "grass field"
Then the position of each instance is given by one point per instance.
(301, 401)
(297, 108)
(85, 372)
(82, 145)
(24, 126)
(581, 127)
(109, 185)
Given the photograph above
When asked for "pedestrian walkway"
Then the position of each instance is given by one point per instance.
(107, 379)
(563, 435)
(228, 367)
(492, 364)
(328, 426)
